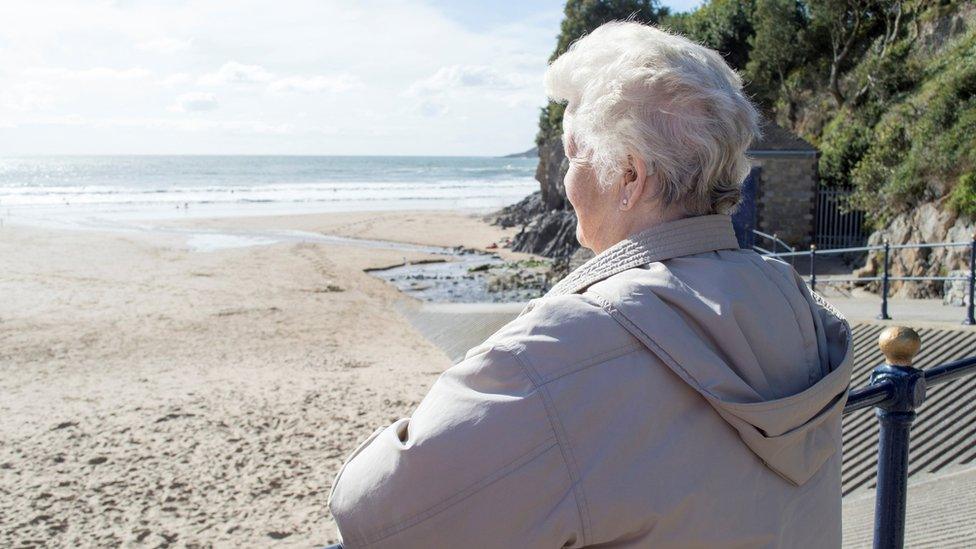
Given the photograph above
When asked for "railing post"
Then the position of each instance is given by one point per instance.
(775, 244)
(895, 416)
(972, 282)
(884, 283)
(813, 267)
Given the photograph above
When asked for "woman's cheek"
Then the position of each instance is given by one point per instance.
(579, 196)
(574, 187)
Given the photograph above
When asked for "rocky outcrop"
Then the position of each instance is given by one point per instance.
(550, 173)
(519, 214)
(929, 223)
(546, 217)
(551, 234)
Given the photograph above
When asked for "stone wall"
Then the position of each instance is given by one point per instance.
(787, 196)
(929, 222)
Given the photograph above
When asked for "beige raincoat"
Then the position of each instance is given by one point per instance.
(674, 391)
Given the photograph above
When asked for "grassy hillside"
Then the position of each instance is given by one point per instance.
(885, 88)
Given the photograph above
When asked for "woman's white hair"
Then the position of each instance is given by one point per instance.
(635, 89)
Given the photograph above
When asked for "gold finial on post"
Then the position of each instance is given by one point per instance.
(899, 345)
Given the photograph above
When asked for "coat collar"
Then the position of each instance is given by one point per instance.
(687, 236)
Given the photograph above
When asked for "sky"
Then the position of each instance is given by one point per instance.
(399, 77)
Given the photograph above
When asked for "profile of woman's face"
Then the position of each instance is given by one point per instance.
(585, 195)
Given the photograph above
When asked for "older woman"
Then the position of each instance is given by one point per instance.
(674, 391)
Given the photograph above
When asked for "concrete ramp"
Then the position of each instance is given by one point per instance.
(456, 327)
(941, 511)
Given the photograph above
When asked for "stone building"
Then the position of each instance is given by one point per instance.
(786, 187)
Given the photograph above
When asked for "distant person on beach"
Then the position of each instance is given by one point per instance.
(674, 391)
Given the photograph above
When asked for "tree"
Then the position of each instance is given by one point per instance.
(726, 26)
(583, 16)
(580, 18)
(776, 47)
(844, 22)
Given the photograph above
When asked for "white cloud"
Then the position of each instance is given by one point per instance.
(458, 77)
(28, 96)
(165, 45)
(189, 124)
(176, 79)
(432, 109)
(195, 102)
(236, 73)
(317, 84)
(96, 73)
(270, 71)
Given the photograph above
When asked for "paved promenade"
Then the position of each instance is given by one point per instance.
(908, 312)
(456, 327)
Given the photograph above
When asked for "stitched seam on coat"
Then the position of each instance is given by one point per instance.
(594, 360)
(688, 236)
(816, 296)
(509, 468)
(569, 460)
(649, 342)
(761, 265)
(607, 357)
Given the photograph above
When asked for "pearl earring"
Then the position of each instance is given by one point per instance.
(625, 202)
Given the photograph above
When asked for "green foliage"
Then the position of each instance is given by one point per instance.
(843, 143)
(962, 199)
(550, 123)
(924, 141)
(893, 118)
(723, 25)
(776, 46)
(879, 79)
(580, 18)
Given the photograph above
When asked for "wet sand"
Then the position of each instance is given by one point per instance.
(156, 395)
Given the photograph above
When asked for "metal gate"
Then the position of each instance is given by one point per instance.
(838, 227)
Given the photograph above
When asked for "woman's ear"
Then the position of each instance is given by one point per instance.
(634, 181)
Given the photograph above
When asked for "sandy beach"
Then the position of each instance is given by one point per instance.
(154, 394)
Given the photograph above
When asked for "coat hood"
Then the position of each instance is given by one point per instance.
(776, 368)
(791, 433)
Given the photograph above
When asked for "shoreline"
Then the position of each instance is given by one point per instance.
(157, 394)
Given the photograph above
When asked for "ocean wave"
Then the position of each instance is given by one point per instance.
(70, 184)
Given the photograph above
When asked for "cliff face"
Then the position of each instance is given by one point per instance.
(941, 208)
(546, 217)
(550, 173)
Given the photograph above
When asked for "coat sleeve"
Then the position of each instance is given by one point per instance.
(477, 465)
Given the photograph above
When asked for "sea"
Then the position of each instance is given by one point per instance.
(73, 190)
(143, 194)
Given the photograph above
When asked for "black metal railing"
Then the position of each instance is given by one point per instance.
(772, 241)
(885, 278)
(896, 390)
